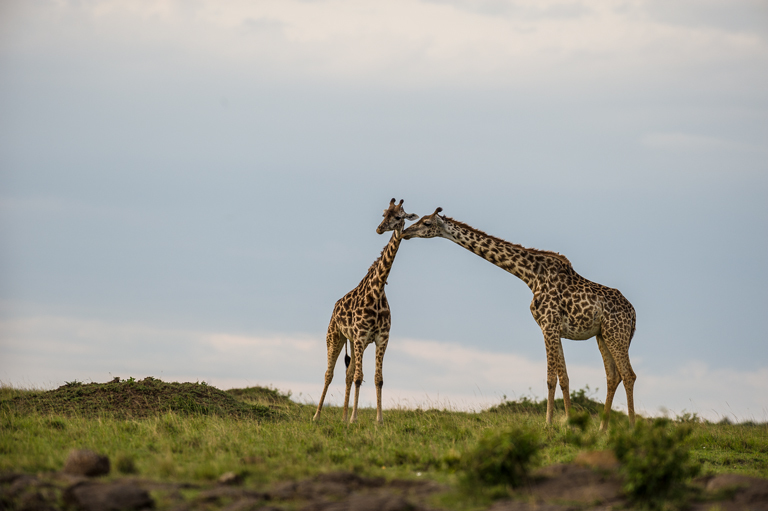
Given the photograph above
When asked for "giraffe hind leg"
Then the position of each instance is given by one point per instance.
(562, 376)
(552, 344)
(612, 378)
(629, 377)
(619, 350)
(334, 341)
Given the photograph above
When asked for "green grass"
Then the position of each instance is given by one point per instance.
(194, 432)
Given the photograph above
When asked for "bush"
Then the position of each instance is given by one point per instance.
(501, 458)
(580, 401)
(655, 461)
(125, 464)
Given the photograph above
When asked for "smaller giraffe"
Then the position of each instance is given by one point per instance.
(363, 317)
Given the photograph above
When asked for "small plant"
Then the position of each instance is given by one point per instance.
(577, 434)
(688, 418)
(124, 464)
(656, 462)
(501, 458)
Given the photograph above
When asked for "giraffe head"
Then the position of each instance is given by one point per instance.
(394, 217)
(429, 226)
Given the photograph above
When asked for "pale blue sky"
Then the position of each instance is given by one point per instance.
(177, 172)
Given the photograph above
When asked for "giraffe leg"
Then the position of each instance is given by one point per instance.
(620, 352)
(612, 377)
(381, 347)
(358, 355)
(552, 343)
(350, 375)
(562, 375)
(334, 340)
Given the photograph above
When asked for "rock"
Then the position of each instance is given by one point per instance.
(86, 463)
(748, 492)
(573, 483)
(35, 501)
(107, 497)
(597, 459)
(231, 479)
(367, 501)
(245, 505)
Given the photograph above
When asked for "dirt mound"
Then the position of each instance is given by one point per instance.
(138, 398)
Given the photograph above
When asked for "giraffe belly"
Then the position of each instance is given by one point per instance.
(579, 330)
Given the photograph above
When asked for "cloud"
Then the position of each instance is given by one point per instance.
(48, 351)
(401, 44)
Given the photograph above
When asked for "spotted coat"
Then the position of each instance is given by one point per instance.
(362, 316)
(565, 305)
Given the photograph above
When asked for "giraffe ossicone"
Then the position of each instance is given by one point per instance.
(565, 305)
(362, 316)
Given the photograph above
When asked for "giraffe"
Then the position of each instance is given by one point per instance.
(565, 305)
(362, 316)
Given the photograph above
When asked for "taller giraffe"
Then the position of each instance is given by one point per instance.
(363, 316)
(565, 305)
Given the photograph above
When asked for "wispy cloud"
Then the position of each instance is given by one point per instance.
(47, 351)
(402, 43)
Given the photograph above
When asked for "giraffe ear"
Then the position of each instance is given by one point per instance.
(412, 217)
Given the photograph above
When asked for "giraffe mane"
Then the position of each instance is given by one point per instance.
(375, 263)
(548, 253)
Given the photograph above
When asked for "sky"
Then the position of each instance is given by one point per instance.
(187, 187)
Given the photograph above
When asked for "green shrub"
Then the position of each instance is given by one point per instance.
(125, 464)
(578, 433)
(656, 462)
(581, 400)
(501, 457)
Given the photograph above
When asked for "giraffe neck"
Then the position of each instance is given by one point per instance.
(380, 269)
(527, 264)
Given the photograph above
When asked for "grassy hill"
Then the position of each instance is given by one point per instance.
(194, 433)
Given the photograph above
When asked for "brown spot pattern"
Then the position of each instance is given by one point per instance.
(565, 305)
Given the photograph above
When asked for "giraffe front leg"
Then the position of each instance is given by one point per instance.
(358, 356)
(349, 377)
(333, 338)
(381, 347)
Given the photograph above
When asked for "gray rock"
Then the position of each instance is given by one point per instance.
(231, 479)
(108, 497)
(86, 463)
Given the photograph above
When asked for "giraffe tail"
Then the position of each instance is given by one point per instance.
(346, 355)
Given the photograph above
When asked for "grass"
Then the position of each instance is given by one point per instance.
(194, 432)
